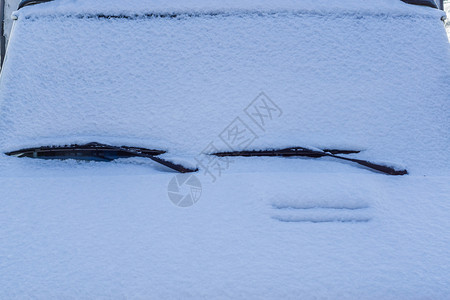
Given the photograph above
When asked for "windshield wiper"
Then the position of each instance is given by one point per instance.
(103, 152)
(98, 152)
(305, 152)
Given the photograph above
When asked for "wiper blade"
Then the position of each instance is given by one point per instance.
(297, 151)
(80, 151)
(305, 152)
(164, 162)
(99, 152)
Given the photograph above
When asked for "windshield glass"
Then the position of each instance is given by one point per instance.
(183, 83)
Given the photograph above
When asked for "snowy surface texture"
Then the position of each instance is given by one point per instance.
(362, 82)
(370, 78)
(132, 7)
(108, 231)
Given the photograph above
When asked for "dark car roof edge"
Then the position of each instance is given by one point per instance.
(430, 3)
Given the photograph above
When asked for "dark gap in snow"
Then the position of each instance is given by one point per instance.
(239, 14)
(429, 3)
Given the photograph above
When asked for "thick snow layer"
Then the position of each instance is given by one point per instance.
(108, 231)
(267, 228)
(366, 82)
(132, 7)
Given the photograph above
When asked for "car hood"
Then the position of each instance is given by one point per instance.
(110, 229)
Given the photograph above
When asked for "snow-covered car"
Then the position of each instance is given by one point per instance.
(225, 149)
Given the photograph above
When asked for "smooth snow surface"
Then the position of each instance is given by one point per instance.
(362, 75)
(109, 231)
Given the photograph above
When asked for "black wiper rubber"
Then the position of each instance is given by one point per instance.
(299, 151)
(169, 164)
(429, 3)
(77, 150)
(31, 2)
(337, 151)
(97, 151)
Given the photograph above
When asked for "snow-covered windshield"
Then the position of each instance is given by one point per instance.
(332, 80)
(305, 81)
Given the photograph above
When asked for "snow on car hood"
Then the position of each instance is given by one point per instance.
(352, 81)
(103, 230)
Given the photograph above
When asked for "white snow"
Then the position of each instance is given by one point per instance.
(100, 230)
(349, 74)
(349, 81)
(132, 7)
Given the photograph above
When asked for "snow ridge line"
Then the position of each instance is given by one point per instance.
(223, 14)
(326, 214)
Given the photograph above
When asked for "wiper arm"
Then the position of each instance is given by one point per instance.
(97, 151)
(305, 152)
(169, 164)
